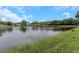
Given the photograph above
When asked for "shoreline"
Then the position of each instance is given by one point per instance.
(57, 43)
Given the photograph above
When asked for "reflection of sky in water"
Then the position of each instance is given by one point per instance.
(19, 36)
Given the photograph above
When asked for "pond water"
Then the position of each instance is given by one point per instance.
(18, 36)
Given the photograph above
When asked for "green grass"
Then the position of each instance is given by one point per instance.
(2, 27)
(65, 42)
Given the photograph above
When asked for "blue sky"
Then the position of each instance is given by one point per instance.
(37, 13)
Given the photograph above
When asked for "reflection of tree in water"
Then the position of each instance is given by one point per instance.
(35, 28)
(23, 29)
(10, 29)
(1, 32)
(40, 28)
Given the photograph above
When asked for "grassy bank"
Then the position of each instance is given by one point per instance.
(67, 41)
(4, 27)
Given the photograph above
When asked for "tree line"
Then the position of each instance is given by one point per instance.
(69, 21)
(21, 23)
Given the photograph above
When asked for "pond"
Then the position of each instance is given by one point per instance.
(18, 36)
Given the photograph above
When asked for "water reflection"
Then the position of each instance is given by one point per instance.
(35, 28)
(23, 29)
(46, 29)
(10, 29)
(0, 34)
(40, 28)
(2, 31)
(23, 35)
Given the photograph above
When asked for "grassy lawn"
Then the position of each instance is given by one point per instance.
(67, 41)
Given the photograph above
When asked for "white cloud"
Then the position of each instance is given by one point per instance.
(28, 18)
(67, 14)
(9, 16)
(3, 19)
(43, 20)
(25, 17)
(19, 9)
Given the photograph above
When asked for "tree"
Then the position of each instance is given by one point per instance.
(69, 21)
(23, 23)
(9, 23)
(77, 16)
